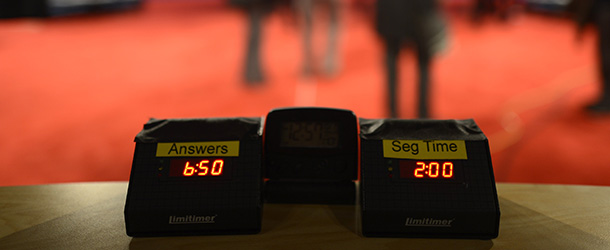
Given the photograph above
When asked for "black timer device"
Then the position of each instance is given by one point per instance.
(196, 177)
(427, 178)
(311, 155)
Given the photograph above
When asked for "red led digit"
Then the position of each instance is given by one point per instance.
(204, 167)
(217, 167)
(188, 170)
(420, 169)
(447, 169)
(433, 169)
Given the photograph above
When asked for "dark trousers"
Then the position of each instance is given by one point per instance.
(423, 66)
(253, 68)
(602, 19)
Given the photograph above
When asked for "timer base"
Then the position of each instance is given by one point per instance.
(311, 192)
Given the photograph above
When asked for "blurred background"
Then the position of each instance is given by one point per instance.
(79, 78)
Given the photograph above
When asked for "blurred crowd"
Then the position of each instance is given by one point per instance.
(417, 25)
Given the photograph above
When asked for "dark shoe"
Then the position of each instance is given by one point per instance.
(602, 106)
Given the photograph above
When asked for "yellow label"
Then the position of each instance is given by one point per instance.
(212, 148)
(424, 149)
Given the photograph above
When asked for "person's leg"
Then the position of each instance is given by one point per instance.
(423, 66)
(603, 24)
(330, 63)
(254, 73)
(305, 10)
(602, 19)
(392, 51)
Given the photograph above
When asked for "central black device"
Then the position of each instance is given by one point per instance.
(311, 155)
(196, 176)
(427, 178)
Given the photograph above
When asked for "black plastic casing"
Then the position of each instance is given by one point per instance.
(311, 175)
(416, 208)
(224, 206)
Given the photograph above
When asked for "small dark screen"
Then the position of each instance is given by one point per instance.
(309, 134)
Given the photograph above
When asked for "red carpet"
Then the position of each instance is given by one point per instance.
(75, 91)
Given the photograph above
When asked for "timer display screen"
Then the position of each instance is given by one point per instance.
(417, 169)
(200, 167)
(308, 134)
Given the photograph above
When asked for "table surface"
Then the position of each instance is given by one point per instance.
(90, 215)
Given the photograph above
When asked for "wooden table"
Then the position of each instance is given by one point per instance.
(90, 215)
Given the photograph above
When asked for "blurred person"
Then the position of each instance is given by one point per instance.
(259, 9)
(305, 9)
(256, 10)
(415, 23)
(598, 13)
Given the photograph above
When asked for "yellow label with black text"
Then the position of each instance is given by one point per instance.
(186, 149)
(424, 149)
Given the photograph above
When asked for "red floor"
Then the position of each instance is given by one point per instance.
(75, 91)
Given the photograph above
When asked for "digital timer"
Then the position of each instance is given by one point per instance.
(426, 169)
(195, 177)
(427, 178)
(199, 167)
(311, 155)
